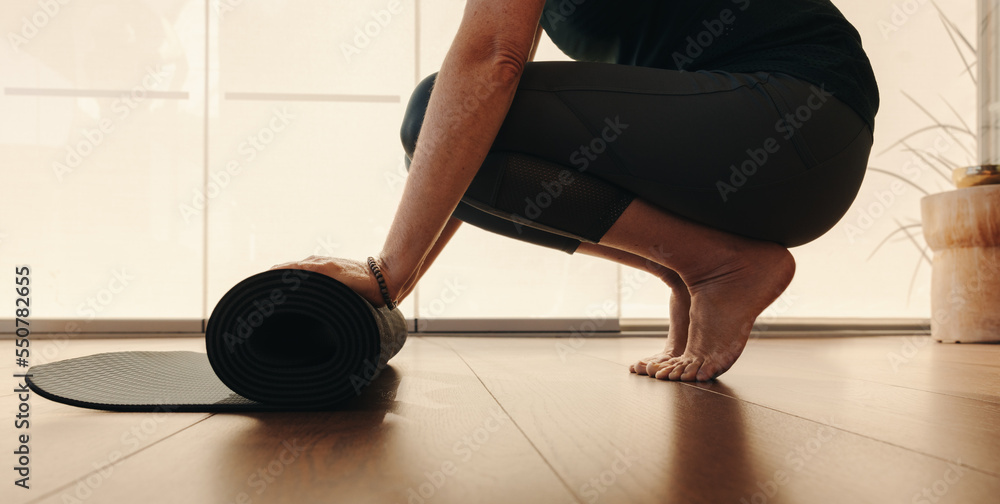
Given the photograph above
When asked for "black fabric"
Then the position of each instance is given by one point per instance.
(497, 222)
(691, 143)
(807, 39)
(532, 193)
(536, 192)
(281, 340)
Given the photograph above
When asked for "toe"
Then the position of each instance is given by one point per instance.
(687, 371)
(691, 371)
(668, 367)
(640, 367)
(654, 364)
(664, 373)
(653, 367)
(677, 372)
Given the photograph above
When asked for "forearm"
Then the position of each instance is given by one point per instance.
(471, 97)
(453, 223)
(449, 230)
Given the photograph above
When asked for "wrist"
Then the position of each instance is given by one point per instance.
(385, 289)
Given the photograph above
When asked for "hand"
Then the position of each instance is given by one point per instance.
(354, 274)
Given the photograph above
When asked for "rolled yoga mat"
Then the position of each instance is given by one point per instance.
(281, 340)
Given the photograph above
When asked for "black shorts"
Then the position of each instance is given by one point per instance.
(763, 155)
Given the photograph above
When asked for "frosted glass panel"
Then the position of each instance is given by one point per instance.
(318, 187)
(101, 136)
(305, 133)
(108, 141)
(357, 47)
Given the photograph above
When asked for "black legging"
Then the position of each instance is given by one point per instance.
(762, 155)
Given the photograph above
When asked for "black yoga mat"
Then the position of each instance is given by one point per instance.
(281, 340)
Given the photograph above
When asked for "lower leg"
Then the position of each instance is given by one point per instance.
(680, 300)
(731, 280)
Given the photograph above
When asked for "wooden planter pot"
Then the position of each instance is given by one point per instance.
(962, 227)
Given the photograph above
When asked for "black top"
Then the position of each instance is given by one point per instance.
(807, 39)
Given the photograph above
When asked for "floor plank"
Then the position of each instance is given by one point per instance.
(582, 412)
(942, 425)
(558, 420)
(66, 442)
(430, 432)
(915, 362)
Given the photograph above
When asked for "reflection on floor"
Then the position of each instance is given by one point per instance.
(532, 420)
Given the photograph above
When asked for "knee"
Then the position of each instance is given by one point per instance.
(414, 117)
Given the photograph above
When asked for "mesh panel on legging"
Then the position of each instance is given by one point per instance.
(547, 196)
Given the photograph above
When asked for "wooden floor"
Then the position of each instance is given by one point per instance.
(527, 420)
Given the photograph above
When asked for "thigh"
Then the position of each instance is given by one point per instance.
(731, 151)
(680, 128)
(704, 145)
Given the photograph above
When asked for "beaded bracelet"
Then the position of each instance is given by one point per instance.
(381, 283)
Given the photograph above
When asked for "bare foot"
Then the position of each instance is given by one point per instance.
(680, 309)
(725, 302)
